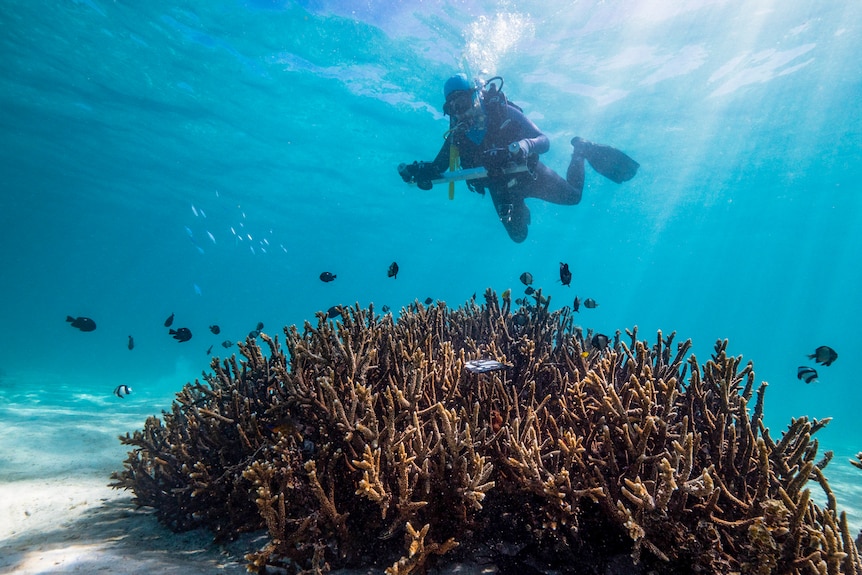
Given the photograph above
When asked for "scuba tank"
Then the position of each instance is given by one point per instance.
(496, 103)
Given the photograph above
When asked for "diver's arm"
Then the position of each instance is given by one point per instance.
(538, 145)
(441, 162)
(530, 139)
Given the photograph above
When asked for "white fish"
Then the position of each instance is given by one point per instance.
(266, 241)
(233, 231)
(251, 248)
(189, 232)
(212, 237)
(203, 213)
(122, 391)
(249, 237)
(263, 250)
(284, 249)
(194, 210)
(197, 289)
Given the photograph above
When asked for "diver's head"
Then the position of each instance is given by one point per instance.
(462, 97)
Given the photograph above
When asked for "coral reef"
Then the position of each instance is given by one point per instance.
(858, 463)
(365, 441)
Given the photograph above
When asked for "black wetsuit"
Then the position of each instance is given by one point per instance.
(504, 126)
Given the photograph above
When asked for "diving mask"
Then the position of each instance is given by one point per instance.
(460, 102)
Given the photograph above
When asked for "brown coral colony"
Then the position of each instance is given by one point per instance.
(366, 442)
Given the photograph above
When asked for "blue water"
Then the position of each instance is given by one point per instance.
(132, 131)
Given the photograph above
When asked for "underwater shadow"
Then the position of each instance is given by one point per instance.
(113, 536)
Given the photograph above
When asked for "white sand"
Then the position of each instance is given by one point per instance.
(57, 513)
(76, 524)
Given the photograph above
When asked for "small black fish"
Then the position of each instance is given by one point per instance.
(215, 329)
(385, 309)
(254, 333)
(600, 341)
(82, 323)
(576, 305)
(226, 343)
(806, 374)
(565, 274)
(824, 354)
(529, 290)
(334, 312)
(428, 301)
(170, 321)
(131, 343)
(259, 327)
(590, 303)
(526, 278)
(327, 277)
(209, 350)
(122, 391)
(182, 334)
(393, 270)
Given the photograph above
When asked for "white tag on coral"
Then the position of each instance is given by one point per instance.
(484, 365)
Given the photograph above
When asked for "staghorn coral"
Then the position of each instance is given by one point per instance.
(858, 463)
(351, 434)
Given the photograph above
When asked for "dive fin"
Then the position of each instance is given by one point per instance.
(611, 163)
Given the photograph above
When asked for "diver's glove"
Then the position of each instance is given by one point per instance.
(420, 173)
(494, 160)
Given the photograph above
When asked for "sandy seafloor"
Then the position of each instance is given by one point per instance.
(58, 515)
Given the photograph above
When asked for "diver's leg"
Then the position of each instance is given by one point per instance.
(546, 184)
(512, 212)
(575, 172)
(609, 162)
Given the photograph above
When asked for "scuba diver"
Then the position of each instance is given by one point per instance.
(487, 131)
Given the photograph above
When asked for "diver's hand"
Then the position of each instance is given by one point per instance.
(494, 160)
(407, 172)
(420, 173)
(519, 150)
